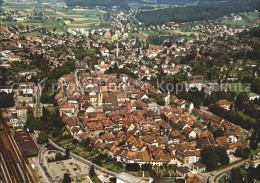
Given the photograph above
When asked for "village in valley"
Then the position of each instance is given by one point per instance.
(103, 94)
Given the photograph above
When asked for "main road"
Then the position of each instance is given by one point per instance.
(216, 175)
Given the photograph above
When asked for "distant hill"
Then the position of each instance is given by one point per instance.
(124, 3)
(204, 11)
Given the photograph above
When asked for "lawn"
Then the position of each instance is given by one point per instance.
(52, 110)
(253, 152)
(237, 87)
(184, 33)
(243, 171)
(140, 173)
(94, 179)
(31, 34)
(245, 117)
(148, 32)
(139, 36)
(147, 174)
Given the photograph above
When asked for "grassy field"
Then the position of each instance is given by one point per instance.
(237, 87)
(139, 36)
(245, 116)
(32, 34)
(184, 33)
(243, 171)
(247, 20)
(143, 34)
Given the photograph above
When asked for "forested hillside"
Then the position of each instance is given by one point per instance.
(196, 13)
(94, 3)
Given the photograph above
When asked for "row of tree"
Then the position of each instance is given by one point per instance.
(232, 116)
(136, 167)
(242, 152)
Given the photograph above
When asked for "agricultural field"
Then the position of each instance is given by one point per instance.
(53, 15)
(144, 34)
(247, 21)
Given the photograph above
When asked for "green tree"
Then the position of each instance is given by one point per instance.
(253, 141)
(218, 133)
(246, 153)
(132, 167)
(206, 153)
(212, 163)
(222, 154)
(146, 167)
(7, 100)
(66, 178)
(58, 156)
(251, 110)
(92, 171)
(239, 151)
(42, 138)
(67, 153)
(97, 161)
(235, 176)
(211, 156)
(240, 101)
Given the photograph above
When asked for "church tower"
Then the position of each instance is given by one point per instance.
(168, 98)
(100, 99)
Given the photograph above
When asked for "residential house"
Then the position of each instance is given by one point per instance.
(253, 96)
(223, 103)
(68, 109)
(183, 171)
(22, 110)
(198, 167)
(6, 89)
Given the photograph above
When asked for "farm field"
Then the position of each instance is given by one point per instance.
(145, 33)
(54, 15)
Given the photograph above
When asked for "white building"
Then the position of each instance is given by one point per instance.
(253, 96)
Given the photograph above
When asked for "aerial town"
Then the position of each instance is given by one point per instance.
(118, 91)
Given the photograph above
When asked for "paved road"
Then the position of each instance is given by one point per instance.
(42, 164)
(219, 173)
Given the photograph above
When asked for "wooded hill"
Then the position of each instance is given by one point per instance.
(196, 13)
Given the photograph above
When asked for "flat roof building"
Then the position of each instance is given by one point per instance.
(26, 142)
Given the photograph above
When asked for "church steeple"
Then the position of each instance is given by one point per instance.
(100, 99)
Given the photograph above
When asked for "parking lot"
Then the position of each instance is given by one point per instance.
(74, 168)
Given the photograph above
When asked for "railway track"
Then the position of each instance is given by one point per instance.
(12, 161)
